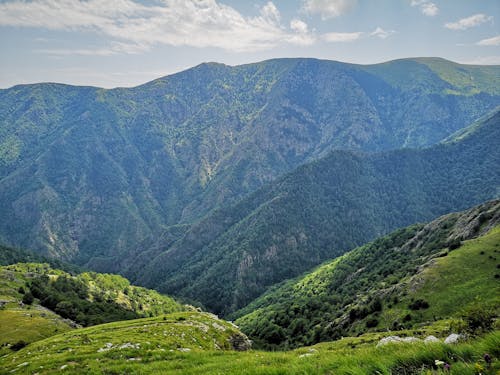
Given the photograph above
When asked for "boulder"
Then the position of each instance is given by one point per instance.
(431, 338)
(454, 338)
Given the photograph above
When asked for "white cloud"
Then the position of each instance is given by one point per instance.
(467, 23)
(298, 26)
(194, 23)
(381, 33)
(427, 7)
(328, 8)
(495, 41)
(342, 37)
(270, 12)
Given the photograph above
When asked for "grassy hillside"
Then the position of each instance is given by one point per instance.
(38, 301)
(130, 346)
(184, 344)
(411, 278)
(318, 212)
(24, 323)
(93, 176)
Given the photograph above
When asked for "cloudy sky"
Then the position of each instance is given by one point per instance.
(111, 43)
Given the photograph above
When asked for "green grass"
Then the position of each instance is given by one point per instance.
(28, 325)
(464, 277)
(79, 352)
(23, 323)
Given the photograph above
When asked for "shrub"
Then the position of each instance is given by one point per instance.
(372, 322)
(479, 319)
(28, 298)
(18, 345)
(419, 304)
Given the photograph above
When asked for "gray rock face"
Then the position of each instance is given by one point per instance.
(240, 342)
(454, 338)
(431, 338)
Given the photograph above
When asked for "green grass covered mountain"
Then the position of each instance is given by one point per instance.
(38, 301)
(318, 212)
(413, 277)
(92, 176)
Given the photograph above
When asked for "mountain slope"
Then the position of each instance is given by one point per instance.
(415, 275)
(129, 346)
(92, 175)
(318, 212)
(37, 301)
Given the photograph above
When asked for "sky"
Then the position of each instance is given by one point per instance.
(123, 43)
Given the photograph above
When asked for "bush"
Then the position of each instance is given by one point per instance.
(454, 244)
(419, 304)
(28, 298)
(479, 319)
(372, 322)
(18, 345)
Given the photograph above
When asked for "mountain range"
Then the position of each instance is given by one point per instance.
(215, 183)
(318, 212)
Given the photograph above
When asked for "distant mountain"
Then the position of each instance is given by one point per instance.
(94, 176)
(410, 278)
(318, 212)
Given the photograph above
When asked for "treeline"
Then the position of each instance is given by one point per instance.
(91, 298)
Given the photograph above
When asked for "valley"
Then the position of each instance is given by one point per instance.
(291, 216)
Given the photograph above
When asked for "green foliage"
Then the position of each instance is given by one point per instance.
(91, 175)
(28, 298)
(479, 318)
(357, 293)
(319, 212)
(160, 347)
(93, 298)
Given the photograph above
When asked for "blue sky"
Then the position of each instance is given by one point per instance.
(111, 43)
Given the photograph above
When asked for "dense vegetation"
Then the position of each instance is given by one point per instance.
(92, 175)
(415, 275)
(87, 298)
(9, 255)
(320, 211)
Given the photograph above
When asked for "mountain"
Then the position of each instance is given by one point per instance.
(318, 212)
(413, 277)
(94, 176)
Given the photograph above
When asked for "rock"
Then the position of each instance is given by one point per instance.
(218, 326)
(410, 339)
(185, 350)
(240, 342)
(305, 355)
(454, 338)
(394, 339)
(431, 338)
(63, 367)
(388, 340)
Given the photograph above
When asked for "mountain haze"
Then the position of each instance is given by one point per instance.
(94, 176)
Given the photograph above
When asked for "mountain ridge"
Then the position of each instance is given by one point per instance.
(89, 175)
(320, 210)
